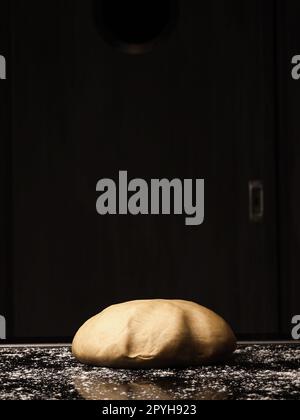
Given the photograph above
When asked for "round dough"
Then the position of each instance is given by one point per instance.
(154, 334)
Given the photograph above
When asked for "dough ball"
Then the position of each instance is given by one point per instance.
(154, 334)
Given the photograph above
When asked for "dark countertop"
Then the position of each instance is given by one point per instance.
(257, 372)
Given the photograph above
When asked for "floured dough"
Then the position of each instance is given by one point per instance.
(154, 334)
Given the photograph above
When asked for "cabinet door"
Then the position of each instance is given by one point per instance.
(198, 105)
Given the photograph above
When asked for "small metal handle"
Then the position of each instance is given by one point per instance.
(256, 201)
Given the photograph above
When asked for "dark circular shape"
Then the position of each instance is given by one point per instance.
(134, 26)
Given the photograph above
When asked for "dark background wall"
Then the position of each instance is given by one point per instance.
(288, 38)
(5, 168)
(209, 102)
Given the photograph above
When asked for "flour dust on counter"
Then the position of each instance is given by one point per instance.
(270, 372)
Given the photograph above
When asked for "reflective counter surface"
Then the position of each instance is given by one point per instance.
(256, 372)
